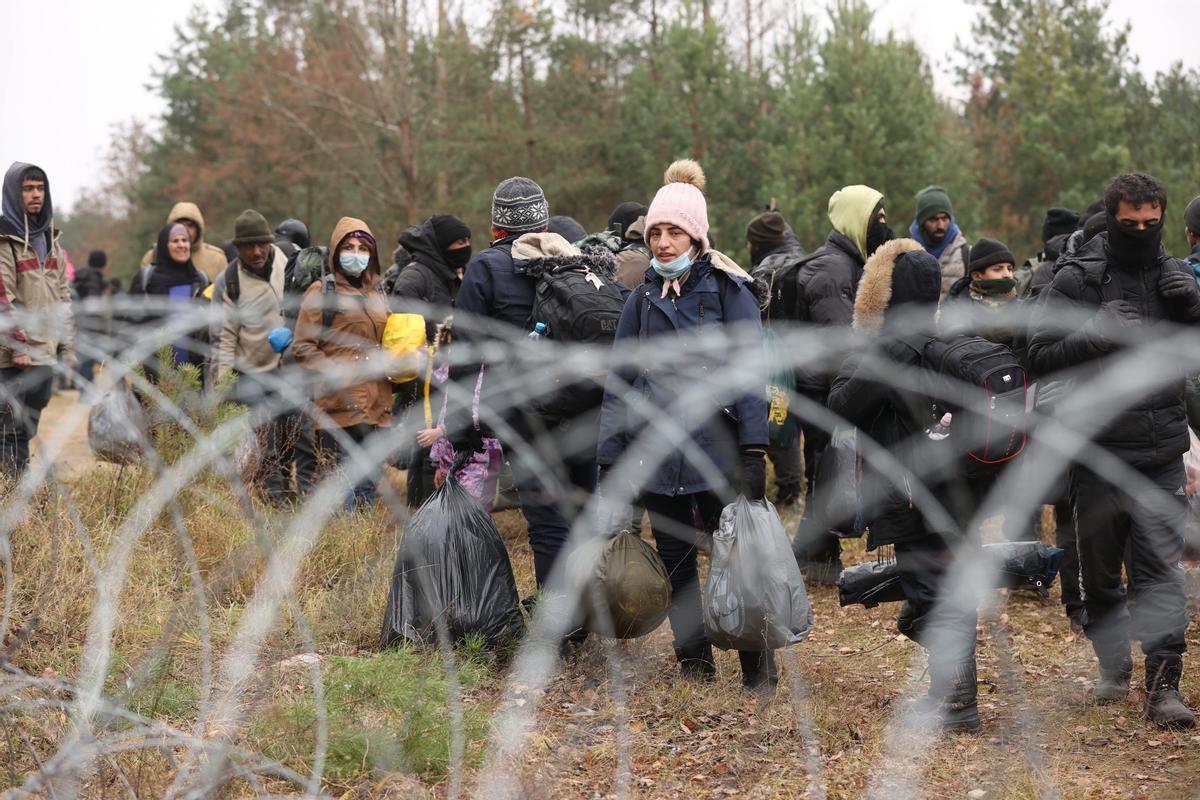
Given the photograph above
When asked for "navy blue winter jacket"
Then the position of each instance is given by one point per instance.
(647, 315)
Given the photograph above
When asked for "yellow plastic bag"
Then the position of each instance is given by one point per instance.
(404, 340)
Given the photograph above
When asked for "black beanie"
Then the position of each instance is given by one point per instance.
(1059, 221)
(1191, 216)
(566, 227)
(625, 215)
(767, 230)
(97, 259)
(448, 229)
(916, 279)
(988, 253)
(1095, 223)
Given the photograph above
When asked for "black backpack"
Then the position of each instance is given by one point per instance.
(303, 269)
(984, 385)
(782, 287)
(576, 303)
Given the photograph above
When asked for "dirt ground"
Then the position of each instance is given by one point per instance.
(64, 425)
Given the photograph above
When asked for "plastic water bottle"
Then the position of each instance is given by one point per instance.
(538, 332)
(942, 429)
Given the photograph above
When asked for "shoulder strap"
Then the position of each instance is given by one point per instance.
(145, 274)
(233, 286)
(329, 300)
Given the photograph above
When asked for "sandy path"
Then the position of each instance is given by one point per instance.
(64, 425)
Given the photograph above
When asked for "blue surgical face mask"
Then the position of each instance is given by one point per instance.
(353, 263)
(676, 267)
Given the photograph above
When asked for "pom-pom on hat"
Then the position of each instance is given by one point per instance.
(680, 202)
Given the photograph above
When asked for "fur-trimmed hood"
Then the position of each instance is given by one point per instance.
(899, 271)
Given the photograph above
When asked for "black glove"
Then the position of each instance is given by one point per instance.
(754, 473)
(1114, 315)
(1179, 289)
(467, 439)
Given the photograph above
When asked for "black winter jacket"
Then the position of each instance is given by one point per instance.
(824, 291)
(1152, 431)
(427, 278)
(896, 418)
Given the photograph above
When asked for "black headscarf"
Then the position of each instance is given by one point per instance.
(168, 272)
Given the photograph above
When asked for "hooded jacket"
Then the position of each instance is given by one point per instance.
(900, 275)
(1153, 430)
(427, 278)
(827, 281)
(704, 302)
(35, 287)
(633, 259)
(208, 258)
(353, 339)
(245, 325)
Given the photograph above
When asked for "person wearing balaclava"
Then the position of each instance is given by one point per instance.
(37, 329)
(984, 301)
(1118, 290)
(690, 289)
(820, 294)
(896, 309)
(935, 227)
(439, 248)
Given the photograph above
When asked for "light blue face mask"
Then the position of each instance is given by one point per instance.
(674, 268)
(354, 263)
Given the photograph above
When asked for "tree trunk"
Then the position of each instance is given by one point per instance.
(441, 188)
(527, 104)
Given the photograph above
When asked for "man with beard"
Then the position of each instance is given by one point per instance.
(1135, 291)
(821, 293)
(37, 327)
(937, 231)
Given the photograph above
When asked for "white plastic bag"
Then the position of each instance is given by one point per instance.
(754, 598)
(117, 428)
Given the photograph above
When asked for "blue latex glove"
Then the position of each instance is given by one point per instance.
(279, 338)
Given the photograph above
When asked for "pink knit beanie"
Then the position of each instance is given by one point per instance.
(680, 202)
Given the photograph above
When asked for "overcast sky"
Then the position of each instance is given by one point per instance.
(85, 65)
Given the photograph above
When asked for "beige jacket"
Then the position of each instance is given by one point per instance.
(352, 342)
(208, 258)
(633, 263)
(953, 262)
(245, 325)
(43, 325)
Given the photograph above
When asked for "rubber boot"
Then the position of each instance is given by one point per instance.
(1113, 686)
(1164, 705)
(759, 674)
(696, 661)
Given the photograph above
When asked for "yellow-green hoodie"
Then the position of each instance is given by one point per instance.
(850, 212)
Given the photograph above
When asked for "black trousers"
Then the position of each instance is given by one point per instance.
(364, 492)
(24, 394)
(674, 521)
(287, 437)
(788, 471)
(1145, 534)
(947, 631)
(811, 542)
(554, 470)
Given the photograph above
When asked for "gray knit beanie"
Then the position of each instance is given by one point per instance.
(519, 206)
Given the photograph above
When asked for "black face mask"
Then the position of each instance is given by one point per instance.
(878, 233)
(458, 258)
(1131, 248)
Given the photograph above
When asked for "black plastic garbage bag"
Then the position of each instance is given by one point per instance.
(754, 598)
(622, 585)
(870, 584)
(452, 568)
(117, 427)
(1021, 565)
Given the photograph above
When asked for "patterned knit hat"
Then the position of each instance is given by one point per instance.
(519, 206)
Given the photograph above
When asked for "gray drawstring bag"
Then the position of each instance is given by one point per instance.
(754, 598)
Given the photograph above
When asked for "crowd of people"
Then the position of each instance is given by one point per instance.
(652, 279)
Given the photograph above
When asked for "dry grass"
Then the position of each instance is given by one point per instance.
(1041, 736)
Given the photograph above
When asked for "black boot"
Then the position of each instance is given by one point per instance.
(759, 674)
(1113, 686)
(696, 661)
(1164, 705)
(952, 697)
